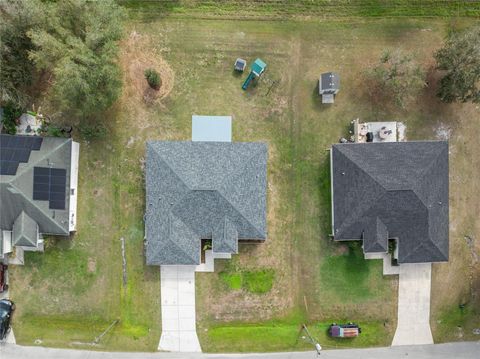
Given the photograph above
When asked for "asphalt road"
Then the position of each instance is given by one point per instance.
(463, 350)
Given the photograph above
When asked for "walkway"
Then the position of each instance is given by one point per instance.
(413, 326)
(178, 309)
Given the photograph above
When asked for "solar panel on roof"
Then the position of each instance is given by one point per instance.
(42, 171)
(42, 179)
(57, 196)
(8, 168)
(40, 196)
(57, 180)
(5, 155)
(36, 143)
(3, 167)
(50, 184)
(56, 205)
(58, 172)
(40, 187)
(4, 141)
(12, 168)
(18, 142)
(21, 155)
(15, 155)
(16, 149)
(57, 188)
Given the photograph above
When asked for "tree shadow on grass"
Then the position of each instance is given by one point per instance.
(432, 111)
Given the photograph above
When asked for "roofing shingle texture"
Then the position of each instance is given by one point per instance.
(330, 81)
(16, 191)
(199, 190)
(393, 190)
(25, 231)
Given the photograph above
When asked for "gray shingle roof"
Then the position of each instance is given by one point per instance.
(16, 191)
(330, 81)
(25, 231)
(393, 190)
(199, 190)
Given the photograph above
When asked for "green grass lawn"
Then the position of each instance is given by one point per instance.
(285, 336)
(68, 295)
(258, 281)
(350, 277)
(294, 8)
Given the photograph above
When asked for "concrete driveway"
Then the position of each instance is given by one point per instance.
(178, 309)
(413, 325)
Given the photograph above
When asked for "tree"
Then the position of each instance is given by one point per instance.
(460, 58)
(16, 69)
(153, 78)
(396, 76)
(79, 48)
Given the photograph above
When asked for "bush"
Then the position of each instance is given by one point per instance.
(92, 132)
(54, 131)
(153, 78)
(10, 115)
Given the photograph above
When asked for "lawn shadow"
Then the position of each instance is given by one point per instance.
(434, 112)
(325, 195)
(238, 74)
(316, 99)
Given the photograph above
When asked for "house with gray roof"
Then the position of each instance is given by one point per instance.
(392, 191)
(38, 191)
(203, 190)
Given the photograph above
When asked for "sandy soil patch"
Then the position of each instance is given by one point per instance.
(91, 265)
(138, 55)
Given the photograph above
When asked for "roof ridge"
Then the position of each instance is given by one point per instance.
(38, 208)
(23, 216)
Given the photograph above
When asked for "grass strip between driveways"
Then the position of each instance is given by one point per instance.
(283, 336)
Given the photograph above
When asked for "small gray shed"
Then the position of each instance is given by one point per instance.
(328, 86)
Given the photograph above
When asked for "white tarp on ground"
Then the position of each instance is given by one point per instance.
(212, 128)
(178, 309)
(414, 286)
